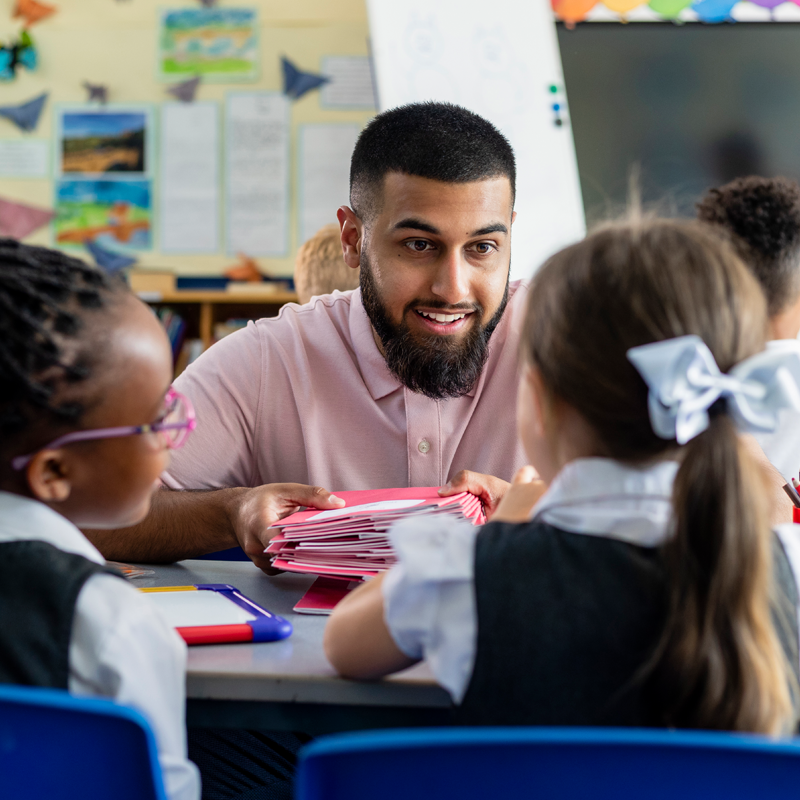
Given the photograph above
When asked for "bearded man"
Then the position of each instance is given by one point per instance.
(408, 381)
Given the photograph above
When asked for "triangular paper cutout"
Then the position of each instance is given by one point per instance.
(108, 260)
(186, 91)
(18, 220)
(296, 82)
(32, 11)
(25, 116)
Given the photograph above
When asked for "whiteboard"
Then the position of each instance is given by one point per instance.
(198, 607)
(500, 63)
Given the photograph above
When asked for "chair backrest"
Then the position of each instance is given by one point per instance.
(547, 763)
(59, 747)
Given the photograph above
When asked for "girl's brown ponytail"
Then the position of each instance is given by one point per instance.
(720, 663)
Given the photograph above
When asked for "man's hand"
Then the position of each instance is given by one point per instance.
(521, 497)
(254, 511)
(490, 489)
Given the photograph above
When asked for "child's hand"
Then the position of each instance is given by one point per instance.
(521, 497)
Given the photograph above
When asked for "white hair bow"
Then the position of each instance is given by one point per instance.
(685, 381)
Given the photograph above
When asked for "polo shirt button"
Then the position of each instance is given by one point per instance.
(424, 446)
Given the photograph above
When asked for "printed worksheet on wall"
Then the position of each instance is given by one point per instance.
(257, 173)
(507, 69)
(324, 166)
(190, 177)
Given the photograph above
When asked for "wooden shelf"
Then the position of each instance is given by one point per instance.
(243, 298)
(210, 307)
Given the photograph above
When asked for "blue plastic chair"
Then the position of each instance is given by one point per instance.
(547, 763)
(55, 746)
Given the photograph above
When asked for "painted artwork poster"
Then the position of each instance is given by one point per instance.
(215, 43)
(104, 141)
(116, 214)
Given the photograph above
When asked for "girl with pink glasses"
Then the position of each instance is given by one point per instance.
(87, 418)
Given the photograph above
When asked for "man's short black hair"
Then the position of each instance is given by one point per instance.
(440, 141)
(763, 216)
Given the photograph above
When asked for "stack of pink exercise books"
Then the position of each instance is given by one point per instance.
(352, 543)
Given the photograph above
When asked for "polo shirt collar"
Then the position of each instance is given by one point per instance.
(376, 374)
(25, 520)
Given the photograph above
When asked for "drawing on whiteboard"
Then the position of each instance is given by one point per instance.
(427, 75)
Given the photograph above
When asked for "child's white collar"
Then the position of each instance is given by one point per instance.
(603, 497)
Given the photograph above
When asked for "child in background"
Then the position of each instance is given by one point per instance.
(645, 587)
(762, 218)
(86, 419)
(320, 267)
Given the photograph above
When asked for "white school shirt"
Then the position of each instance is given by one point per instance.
(429, 599)
(782, 446)
(121, 647)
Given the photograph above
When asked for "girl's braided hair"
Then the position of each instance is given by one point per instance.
(42, 296)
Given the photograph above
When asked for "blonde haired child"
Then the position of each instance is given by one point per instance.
(320, 267)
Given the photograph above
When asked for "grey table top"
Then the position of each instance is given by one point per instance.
(294, 670)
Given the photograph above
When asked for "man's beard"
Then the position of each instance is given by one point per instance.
(436, 366)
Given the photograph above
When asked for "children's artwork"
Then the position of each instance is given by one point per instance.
(18, 53)
(296, 82)
(18, 220)
(109, 213)
(26, 115)
(101, 140)
(32, 11)
(216, 43)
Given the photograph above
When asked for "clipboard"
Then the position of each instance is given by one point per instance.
(217, 613)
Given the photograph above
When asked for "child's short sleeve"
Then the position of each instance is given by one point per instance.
(429, 597)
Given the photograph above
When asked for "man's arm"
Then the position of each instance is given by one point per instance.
(186, 524)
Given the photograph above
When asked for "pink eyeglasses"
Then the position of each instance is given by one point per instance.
(176, 423)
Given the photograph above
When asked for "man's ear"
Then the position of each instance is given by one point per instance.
(513, 216)
(352, 232)
(48, 476)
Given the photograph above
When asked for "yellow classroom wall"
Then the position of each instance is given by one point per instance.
(114, 42)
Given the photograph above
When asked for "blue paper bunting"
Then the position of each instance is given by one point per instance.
(107, 259)
(185, 91)
(296, 82)
(25, 116)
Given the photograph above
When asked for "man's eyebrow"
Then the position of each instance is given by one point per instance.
(416, 225)
(498, 227)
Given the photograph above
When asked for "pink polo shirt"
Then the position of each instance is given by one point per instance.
(307, 397)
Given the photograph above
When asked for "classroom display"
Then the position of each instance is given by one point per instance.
(182, 148)
(713, 11)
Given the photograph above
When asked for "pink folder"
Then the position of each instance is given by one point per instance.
(352, 542)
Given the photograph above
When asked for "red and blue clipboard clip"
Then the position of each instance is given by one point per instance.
(266, 627)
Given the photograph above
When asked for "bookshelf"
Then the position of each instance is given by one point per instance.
(203, 310)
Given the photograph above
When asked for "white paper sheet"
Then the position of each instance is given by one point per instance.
(190, 177)
(325, 152)
(257, 173)
(351, 82)
(24, 158)
(202, 607)
(502, 69)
